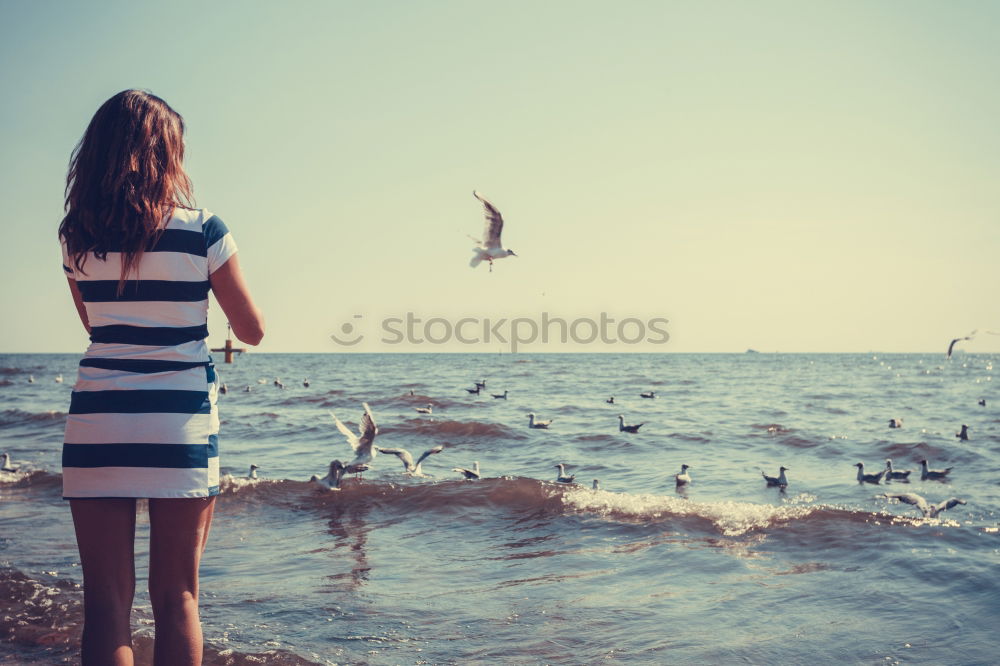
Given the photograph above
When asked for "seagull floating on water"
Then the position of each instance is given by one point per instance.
(684, 477)
(610, 400)
(622, 427)
(982, 402)
(247, 389)
(223, 389)
(59, 379)
(31, 379)
(561, 477)
(540, 425)
(895, 423)
(490, 248)
(481, 385)
(891, 473)
(502, 396)
(364, 452)
(253, 472)
(429, 409)
(6, 466)
(928, 510)
(964, 435)
(470, 474)
(305, 382)
(279, 383)
(779, 480)
(404, 456)
(933, 474)
(648, 394)
(868, 478)
(474, 391)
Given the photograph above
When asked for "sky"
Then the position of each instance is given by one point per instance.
(783, 176)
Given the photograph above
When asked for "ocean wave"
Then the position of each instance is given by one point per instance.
(771, 428)
(452, 429)
(689, 437)
(910, 450)
(521, 494)
(800, 443)
(19, 417)
(729, 518)
(34, 479)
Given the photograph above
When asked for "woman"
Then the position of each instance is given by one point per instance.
(143, 420)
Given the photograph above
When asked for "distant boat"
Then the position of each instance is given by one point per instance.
(752, 351)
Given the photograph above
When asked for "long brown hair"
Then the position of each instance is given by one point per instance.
(125, 175)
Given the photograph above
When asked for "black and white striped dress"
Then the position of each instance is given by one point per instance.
(143, 420)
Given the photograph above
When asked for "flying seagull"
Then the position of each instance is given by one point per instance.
(364, 452)
(332, 479)
(929, 510)
(951, 346)
(404, 456)
(490, 247)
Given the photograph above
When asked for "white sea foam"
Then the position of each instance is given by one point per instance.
(730, 518)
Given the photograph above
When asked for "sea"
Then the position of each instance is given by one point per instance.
(515, 568)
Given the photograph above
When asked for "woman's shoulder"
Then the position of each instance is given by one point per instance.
(189, 219)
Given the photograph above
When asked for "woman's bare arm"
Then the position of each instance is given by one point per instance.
(81, 309)
(231, 291)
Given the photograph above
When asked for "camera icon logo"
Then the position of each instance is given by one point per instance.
(348, 329)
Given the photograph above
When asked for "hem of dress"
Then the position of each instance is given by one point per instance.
(212, 492)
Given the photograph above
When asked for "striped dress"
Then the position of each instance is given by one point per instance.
(143, 420)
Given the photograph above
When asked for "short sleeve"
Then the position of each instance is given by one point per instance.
(219, 243)
(67, 263)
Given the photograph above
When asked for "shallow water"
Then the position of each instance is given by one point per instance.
(517, 569)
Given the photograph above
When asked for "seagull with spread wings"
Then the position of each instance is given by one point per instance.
(410, 467)
(490, 247)
(951, 346)
(929, 510)
(361, 444)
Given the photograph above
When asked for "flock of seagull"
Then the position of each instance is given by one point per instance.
(365, 451)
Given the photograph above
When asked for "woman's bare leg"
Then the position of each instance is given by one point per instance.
(105, 534)
(178, 532)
